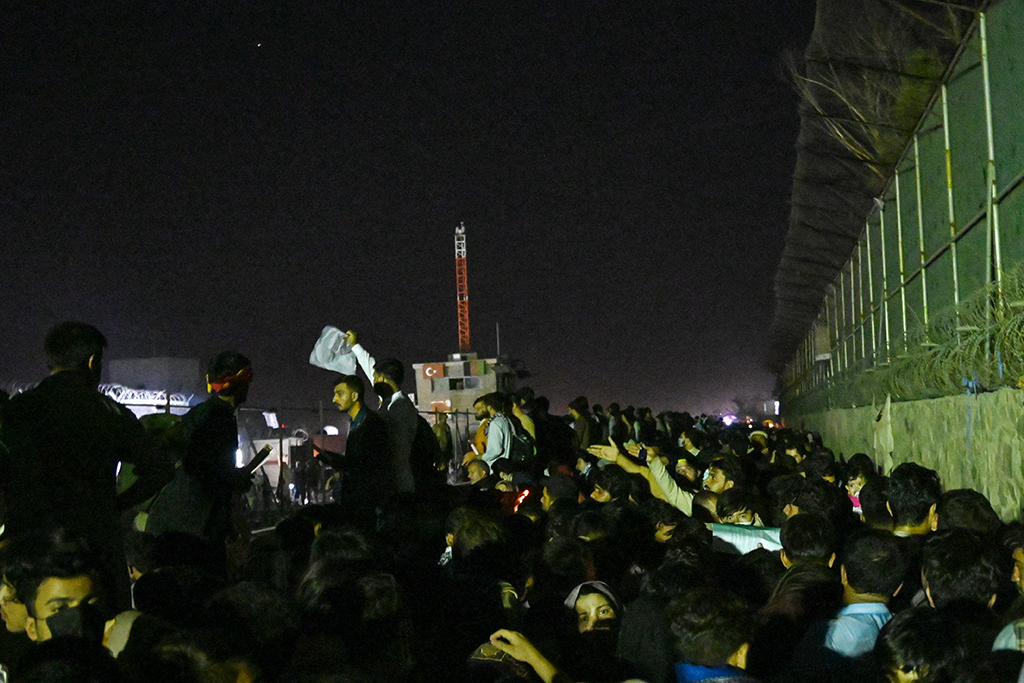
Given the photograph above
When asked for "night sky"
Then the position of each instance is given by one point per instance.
(193, 176)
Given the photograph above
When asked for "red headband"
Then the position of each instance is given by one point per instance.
(243, 375)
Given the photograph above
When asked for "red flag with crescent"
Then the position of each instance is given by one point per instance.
(433, 370)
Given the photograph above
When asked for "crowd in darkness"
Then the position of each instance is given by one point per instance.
(608, 544)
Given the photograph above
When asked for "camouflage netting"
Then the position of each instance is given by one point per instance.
(979, 350)
(866, 78)
(974, 441)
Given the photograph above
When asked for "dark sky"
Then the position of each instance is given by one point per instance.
(192, 176)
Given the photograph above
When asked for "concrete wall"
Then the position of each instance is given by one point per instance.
(971, 441)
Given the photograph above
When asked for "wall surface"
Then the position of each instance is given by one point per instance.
(971, 441)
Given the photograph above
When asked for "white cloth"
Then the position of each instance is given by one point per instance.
(733, 538)
(332, 352)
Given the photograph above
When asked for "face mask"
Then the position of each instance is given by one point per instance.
(83, 621)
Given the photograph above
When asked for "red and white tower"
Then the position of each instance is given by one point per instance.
(462, 286)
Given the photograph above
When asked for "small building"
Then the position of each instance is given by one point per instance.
(453, 385)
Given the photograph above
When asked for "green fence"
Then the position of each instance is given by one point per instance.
(931, 303)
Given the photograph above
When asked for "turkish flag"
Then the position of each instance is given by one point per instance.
(433, 370)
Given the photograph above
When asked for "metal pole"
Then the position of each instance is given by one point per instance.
(860, 301)
(833, 345)
(871, 293)
(845, 360)
(903, 270)
(920, 236)
(949, 204)
(992, 202)
(885, 280)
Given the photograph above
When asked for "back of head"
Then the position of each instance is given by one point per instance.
(808, 538)
(967, 509)
(873, 499)
(709, 625)
(959, 564)
(392, 368)
(874, 563)
(913, 490)
(560, 487)
(580, 404)
(228, 372)
(71, 345)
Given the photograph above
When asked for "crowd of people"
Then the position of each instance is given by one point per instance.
(607, 544)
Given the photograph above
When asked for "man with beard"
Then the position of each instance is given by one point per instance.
(400, 415)
(499, 430)
(363, 477)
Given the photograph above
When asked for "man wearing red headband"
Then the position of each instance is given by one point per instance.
(199, 501)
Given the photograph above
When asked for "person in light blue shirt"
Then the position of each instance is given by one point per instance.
(872, 572)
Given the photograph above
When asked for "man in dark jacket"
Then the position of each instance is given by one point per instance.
(61, 444)
(364, 465)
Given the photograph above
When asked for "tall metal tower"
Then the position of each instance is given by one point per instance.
(462, 286)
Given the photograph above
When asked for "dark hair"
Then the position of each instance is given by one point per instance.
(967, 509)
(614, 480)
(959, 564)
(32, 559)
(590, 525)
(471, 529)
(913, 490)
(560, 486)
(737, 499)
(922, 640)
(225, 364)
(818, 465)
(354, 384)
(580, 404)
(874, 563)
(731, 467)
(873, 498)
(391, 368)
(808, 537)
(860, 465)
(709, 625)
(71, 344)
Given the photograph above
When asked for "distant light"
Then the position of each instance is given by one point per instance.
(728, 419)
(270, 418)
(331, 430)
(117, 472)
(776, 407)
(259, 44)
(239, 457)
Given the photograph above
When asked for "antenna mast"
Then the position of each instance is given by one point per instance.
(462, 286)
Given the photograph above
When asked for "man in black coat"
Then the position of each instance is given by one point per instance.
(60, 445)
(364, 465)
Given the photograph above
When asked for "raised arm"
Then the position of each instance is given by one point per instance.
(366, 361)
